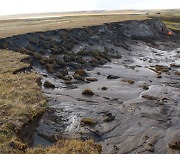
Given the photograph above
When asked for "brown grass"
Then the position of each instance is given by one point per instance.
(21, 99)
(21, 26)
(70, 147)
(88, 121)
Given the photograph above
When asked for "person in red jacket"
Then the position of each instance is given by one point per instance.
(170, 33)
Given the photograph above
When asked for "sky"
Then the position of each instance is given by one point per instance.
(10, 7)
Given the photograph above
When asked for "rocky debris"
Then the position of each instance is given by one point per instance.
(48, 84)
(88, 92)
(112, 77)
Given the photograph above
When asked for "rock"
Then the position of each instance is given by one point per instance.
(104, 88)
(112, 77)
(48, 84)
(88, 92)
(91, 79)
(108, 117)
(88, 121)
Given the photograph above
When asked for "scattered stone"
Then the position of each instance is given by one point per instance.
(48, 84)
(104, 88)
(112, 77)
(91, 79)
(88, 92)
(88, 121)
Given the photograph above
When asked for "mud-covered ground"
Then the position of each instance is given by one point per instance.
(116, 83)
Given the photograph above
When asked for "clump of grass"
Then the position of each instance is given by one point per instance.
(88, 121)
(48, 84)
(104, 88)
(70, 146)
(177, 73)
(88, 92)
(129, 81)
(80, 72)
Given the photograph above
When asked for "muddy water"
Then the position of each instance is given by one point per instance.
(143, 108)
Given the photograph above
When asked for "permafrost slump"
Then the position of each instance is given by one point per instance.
(131, 71)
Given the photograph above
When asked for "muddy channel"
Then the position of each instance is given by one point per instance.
(136, 109)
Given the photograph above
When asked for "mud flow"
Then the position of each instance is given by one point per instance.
(116, 83)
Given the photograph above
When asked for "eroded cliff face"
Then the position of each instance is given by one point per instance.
(85, 47)
(117, 83)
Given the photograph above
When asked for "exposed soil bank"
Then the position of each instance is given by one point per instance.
(117, 83)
